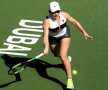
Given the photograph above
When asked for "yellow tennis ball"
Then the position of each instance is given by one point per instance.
(74, 72)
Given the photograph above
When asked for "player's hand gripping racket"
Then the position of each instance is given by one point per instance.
(21, 66)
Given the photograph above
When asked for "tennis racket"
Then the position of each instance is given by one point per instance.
(21, 66)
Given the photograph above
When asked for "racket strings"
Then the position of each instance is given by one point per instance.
(19, 67)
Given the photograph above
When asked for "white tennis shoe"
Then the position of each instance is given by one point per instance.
(69, 58)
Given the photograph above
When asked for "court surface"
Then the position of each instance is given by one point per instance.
(89, 57)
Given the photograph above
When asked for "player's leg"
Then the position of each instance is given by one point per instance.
(55, 49)
(54, 46)
(64, 46)
(65, 42)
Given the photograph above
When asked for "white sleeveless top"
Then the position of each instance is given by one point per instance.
(56, 30)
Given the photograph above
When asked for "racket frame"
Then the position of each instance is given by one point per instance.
(36, 57)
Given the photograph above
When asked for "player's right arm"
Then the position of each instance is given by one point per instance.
(46, 25)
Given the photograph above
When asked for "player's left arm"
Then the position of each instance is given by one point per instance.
(77, 24)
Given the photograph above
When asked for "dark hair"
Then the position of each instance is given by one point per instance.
(49, 11)
(54, 12)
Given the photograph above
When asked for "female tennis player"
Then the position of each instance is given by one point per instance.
(56, 35)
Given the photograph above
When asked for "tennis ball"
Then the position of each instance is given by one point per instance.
(74, 72)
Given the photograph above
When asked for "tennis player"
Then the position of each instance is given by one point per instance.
(56, 35)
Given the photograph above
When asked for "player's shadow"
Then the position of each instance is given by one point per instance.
(9, 62)
(39, 65)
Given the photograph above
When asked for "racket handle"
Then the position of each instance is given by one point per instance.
(40, 55)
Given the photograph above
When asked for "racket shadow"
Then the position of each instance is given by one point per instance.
(9, 62)
(39, 65)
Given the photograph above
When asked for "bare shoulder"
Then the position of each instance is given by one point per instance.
(46, 20)
(65, 14)
(68, 16)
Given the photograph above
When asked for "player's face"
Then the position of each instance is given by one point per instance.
(55, 14)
